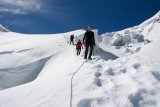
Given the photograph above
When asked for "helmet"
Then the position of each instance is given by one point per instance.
(89, 28)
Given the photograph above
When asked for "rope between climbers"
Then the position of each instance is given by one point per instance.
(71, 97)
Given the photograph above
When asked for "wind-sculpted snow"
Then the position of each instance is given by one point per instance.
(11, 77)
(22, 58)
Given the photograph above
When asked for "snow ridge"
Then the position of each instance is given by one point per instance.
(3, 29)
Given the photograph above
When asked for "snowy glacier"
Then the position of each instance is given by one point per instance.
(36, 70)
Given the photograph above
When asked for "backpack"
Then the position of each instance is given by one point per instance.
(78, 45)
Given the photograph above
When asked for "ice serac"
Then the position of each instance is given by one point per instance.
(3, 29)
(148, 30)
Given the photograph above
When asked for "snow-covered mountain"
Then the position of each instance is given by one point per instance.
(131, 39)
(3, 29)
(44, 71)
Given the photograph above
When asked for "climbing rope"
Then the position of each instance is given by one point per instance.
(71, 97)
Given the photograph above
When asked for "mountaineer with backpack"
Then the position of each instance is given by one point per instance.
(72, 39)
(78, 47)
(89, 42)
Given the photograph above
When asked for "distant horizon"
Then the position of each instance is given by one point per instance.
(84, 29)
(58, 16)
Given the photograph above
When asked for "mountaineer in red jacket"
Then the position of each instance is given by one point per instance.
(78, 47)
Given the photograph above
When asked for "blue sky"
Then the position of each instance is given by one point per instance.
(58, 16)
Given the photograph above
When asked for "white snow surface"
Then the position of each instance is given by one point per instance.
(36, 71)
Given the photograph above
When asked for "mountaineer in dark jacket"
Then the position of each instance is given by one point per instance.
(72, 39)
(89, 42)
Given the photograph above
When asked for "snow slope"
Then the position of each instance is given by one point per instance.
(36, 71)
(25, 56)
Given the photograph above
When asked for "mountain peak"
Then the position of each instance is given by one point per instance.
(156, 16)
(3, 29)
(158, 13)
